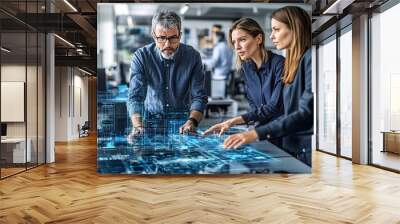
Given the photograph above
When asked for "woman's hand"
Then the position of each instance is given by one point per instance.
(220, 127)
(237, 140)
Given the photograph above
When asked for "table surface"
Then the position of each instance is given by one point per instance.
(191, 154)
(12, 140)
(219, 101)
(390, 132)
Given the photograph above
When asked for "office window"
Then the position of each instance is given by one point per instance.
(22, 91)
(346, 93)
(327, 96)
(13, 84)
(385, 88)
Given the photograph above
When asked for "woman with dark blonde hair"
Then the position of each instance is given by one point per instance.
(291, 30)
(262, 74)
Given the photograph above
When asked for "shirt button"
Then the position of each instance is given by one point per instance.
(268, 136)
(166, 87)
(167, 105)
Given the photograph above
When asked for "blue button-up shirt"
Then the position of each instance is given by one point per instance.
(264, 89)
(221, 60)
(160, 86)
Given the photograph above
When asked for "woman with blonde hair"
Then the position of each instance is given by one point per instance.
(262, 74)
(291, 30)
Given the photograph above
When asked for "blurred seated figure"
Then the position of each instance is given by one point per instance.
(84, 130)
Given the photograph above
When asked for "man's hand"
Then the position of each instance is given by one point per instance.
(135, 133)
(220, 127)
(237, 140)
(187, 128)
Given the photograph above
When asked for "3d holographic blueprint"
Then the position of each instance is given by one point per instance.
(162, 150)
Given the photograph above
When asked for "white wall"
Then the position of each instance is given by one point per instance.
(196, 25)
(70, 83)
(105, 36)
(61, 103)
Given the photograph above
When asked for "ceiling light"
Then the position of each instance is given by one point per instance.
(5, 49)
(79, 51)
(70, 5)
(64, 40)
(198, 12)
(129, 20)
(184, 9)
(255, 10)
(84, 71)
(121, 9)
(338, 6)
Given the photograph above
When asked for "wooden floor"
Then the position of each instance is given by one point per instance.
(70, 191)
(5, 172)
(387, 159)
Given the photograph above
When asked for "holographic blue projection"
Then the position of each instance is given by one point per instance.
(177, 154)
(162, 150)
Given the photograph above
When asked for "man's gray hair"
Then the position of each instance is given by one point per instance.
(167, 19)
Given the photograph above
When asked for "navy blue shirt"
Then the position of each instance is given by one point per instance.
(296, 126)
(158, 85)
(264, 89)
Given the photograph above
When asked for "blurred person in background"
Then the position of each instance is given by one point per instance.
(221, 64)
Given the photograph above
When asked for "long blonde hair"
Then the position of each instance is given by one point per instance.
(251, 27)
(299, 23)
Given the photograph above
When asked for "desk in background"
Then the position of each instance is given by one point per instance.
(13, 150)
(220, 105)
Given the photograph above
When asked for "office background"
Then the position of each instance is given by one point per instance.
(131, 29)
(349, 185)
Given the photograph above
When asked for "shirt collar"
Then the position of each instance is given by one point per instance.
(253, 65)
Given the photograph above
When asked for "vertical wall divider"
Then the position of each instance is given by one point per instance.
(369, 78)
(37, 90)
(26, 86)
(338, 99)
(317, 97)
(1, 165)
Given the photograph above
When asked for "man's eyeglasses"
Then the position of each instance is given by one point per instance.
(163, 39)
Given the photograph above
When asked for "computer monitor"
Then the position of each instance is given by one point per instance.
(3, 129)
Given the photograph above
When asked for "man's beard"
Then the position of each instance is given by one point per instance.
(170, 56)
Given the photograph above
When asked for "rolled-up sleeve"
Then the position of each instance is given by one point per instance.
(198, 94)
(137, 86)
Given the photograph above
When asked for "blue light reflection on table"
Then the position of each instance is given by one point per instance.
(164, 151)
(190, 154)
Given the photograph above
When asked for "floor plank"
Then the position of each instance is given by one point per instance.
(70, 191)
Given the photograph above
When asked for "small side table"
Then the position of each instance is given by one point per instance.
(391, 141)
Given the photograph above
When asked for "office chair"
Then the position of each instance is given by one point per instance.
(84, 130)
